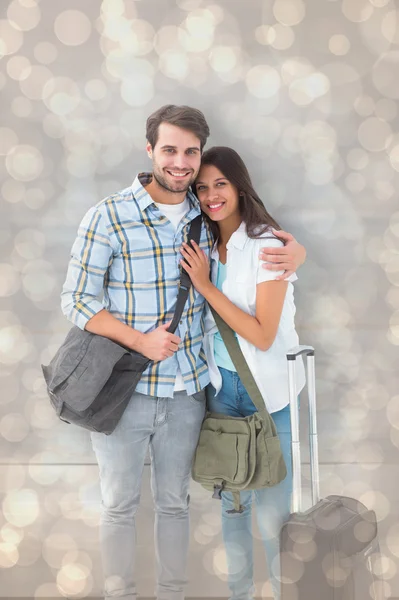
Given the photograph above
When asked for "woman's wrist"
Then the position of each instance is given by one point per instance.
(206, 289)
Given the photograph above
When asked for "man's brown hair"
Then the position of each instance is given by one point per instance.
(185, 117)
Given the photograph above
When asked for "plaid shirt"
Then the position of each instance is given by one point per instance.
(127, 249)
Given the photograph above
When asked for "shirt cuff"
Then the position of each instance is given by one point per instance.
(80, 315)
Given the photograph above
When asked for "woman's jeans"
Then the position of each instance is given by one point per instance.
(272, 504)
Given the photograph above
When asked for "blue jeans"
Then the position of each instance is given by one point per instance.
(273, 504)
(169, 428)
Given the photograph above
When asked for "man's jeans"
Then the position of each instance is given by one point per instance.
(170, 428)
(272, 504)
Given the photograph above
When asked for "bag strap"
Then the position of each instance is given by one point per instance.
(194, 233)
(241, 365)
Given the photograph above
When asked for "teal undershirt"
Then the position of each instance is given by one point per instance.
(222, 357)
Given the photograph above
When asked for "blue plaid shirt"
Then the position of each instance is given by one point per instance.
(127, 249)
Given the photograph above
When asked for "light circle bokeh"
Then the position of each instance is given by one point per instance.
(23, 18)
(24, 162)
(357, 11)
(45, 52)
(385, 75)
(19, 67)
(11, 39)
(289, 12)
(339, 44)
(263, 81)
(21, 507)
(374, 134)
(390, 26)
(33, 85)
(95, 89)
(9, 280)
(223, 58)
(38, 280)
(283, 37)
(8, 555)
(61, 95)
(72, 27)
(14, 427)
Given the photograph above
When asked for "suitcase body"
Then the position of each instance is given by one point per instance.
(329, 551)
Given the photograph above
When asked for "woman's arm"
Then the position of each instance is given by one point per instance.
(260, 330)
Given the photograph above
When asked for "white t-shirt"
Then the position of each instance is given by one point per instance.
(243, 272)
(175, 213)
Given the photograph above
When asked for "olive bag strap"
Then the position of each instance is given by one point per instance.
(244, 372)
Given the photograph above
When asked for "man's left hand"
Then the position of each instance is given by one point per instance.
(288, 258)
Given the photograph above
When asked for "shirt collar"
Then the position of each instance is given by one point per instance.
(144, 199)
(238, 239)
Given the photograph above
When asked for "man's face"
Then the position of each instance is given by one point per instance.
(176, 158)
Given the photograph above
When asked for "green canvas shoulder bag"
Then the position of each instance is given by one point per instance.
(238, 453)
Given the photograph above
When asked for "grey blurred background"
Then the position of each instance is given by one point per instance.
(307, 93)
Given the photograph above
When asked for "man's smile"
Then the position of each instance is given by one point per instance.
(177, 174)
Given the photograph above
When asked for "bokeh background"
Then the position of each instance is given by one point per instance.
(308, 93)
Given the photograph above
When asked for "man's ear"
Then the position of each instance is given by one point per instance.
(149, 149)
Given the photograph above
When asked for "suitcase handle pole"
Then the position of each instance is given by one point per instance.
(313, 439)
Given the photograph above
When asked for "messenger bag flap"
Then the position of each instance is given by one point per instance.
(97, 368)
(82, 352)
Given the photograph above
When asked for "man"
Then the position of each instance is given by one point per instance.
(128, 247)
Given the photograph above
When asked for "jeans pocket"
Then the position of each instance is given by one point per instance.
(198, 398)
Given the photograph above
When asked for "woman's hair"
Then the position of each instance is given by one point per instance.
(252, 209)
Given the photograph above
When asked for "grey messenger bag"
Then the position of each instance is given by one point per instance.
(91, 379)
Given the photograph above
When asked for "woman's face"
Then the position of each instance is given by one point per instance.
(218, 197)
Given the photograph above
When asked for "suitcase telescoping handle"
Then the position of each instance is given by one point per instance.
(294, 412)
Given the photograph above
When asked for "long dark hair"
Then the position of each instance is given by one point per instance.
(252, 209)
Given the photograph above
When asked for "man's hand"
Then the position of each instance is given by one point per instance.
(158, 344)
(288, 258)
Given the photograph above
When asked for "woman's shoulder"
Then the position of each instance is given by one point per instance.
(264, 237)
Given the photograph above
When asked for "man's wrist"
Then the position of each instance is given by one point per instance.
(136, 340)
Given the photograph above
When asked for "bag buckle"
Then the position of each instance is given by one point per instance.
(217, 491)
(235, 511)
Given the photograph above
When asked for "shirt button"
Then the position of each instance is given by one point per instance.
(181, 322)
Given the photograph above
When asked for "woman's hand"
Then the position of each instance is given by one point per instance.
(196, 264)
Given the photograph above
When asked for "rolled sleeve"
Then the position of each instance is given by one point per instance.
(265, 274)
(91, 256)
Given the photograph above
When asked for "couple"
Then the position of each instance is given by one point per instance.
(131, 247)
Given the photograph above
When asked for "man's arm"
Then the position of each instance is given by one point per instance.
(157, 345)
(91, 257)
(288, 257)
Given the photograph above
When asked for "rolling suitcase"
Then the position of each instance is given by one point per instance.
(328, 552)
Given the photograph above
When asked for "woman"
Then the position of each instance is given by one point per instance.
(261, 312)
